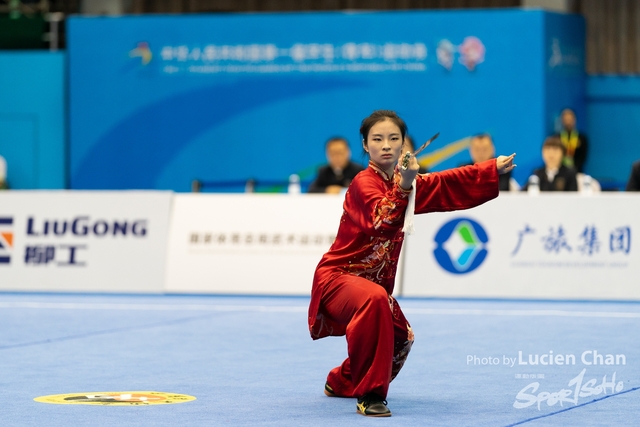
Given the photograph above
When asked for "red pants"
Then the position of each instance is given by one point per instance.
(379, 337)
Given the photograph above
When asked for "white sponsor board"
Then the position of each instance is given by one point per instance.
(83, 241)
(551, 246)
(249, 243)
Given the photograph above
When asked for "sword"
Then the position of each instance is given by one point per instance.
(407, 156)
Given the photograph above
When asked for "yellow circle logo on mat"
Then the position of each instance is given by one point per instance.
(116, 398)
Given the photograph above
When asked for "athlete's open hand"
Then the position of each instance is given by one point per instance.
(505, 164)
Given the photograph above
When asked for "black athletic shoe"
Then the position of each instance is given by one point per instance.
(372, 405)
(328, 390)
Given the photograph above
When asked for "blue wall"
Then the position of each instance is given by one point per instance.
(565, 78)
(166, 99)
(161, 123)
(33, 119)
(613, 127)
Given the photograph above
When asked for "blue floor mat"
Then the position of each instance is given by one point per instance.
(250, 361)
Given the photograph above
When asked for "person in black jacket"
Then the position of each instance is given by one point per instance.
(575, 143)
(555, 176)
(481, 149)
(340, 171)
(634, 179)
(3, 174)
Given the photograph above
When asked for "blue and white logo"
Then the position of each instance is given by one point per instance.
(461, 245)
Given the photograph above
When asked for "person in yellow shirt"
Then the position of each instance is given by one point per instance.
(575, 143)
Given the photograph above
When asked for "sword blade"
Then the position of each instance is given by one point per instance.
(426, 144)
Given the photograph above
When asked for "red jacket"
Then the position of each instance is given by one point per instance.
(369, 238)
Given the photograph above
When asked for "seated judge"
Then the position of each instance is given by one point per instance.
(634, 179)
(482, 149)
(555, 176)
(3, 174)
(340, 170)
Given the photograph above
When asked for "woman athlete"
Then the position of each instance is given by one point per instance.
(353, 283)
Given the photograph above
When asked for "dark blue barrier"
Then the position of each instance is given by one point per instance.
(246, 186)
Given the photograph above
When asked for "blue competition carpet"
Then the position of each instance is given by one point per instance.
(250, 361)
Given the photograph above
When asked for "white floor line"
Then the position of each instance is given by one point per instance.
(150, 307)
(301, 309)
(550, 313)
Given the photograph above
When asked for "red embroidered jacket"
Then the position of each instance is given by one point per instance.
(369, 237)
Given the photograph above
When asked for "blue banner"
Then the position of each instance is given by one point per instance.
(157, 102)
(32, 119)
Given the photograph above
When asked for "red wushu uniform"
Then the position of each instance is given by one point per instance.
(353, 283)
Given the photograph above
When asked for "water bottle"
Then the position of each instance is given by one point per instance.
(250, 186)
(294, 184)
(534, 185)
(586, 186)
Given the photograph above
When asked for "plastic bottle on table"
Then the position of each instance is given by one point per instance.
(534, 185)
(586, 186)
(294, 184)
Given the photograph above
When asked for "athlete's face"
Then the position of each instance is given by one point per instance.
(384, 144)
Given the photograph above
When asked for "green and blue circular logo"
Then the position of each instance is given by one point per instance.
(461, 245)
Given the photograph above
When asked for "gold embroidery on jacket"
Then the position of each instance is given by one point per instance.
(379, 256)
